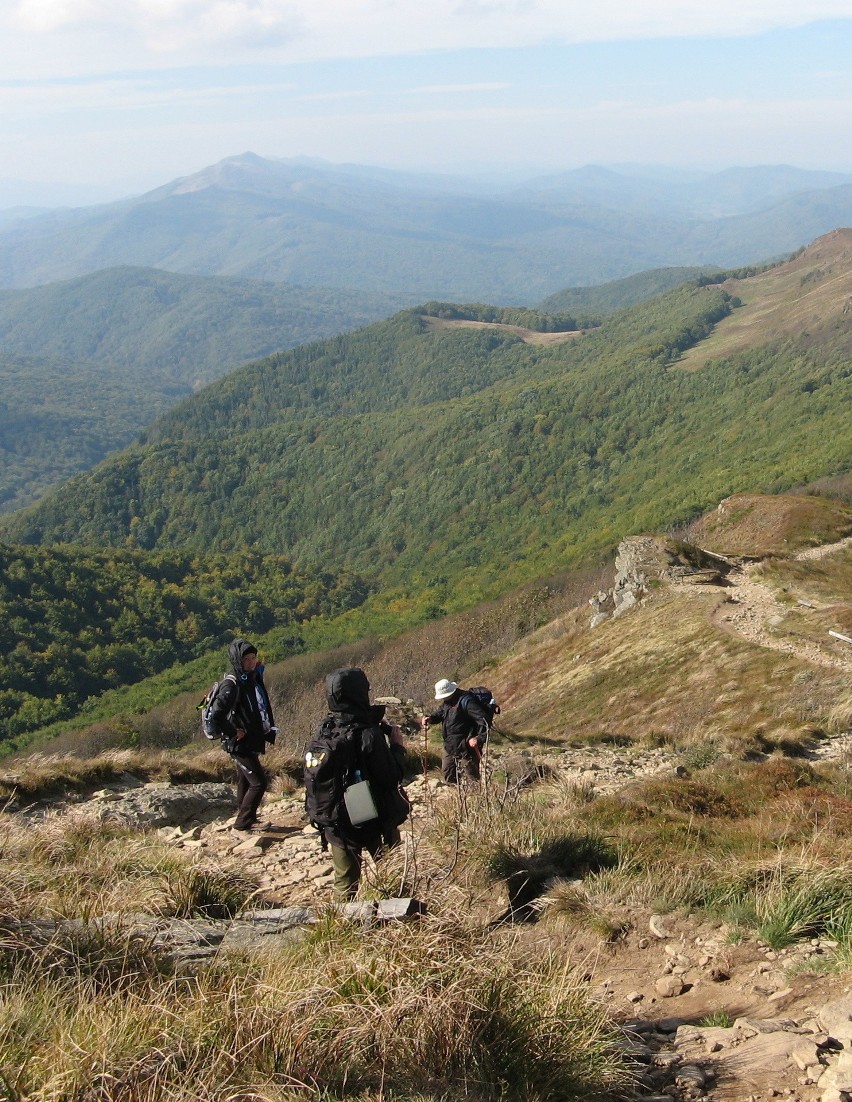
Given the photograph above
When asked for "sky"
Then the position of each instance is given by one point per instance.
(105, 98)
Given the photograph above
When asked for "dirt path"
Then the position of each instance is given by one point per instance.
(756, 611)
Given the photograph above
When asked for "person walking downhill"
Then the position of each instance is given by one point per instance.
(465, 726)
(242, 716)
(354, 767)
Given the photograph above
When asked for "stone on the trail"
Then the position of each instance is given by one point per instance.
(655, 925)
(836, 1018)
(163, 805)
(668, 987)
(383, 910)
(806, 1056)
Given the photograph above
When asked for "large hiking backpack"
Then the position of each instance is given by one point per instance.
(485, 698)
(206, 706)
(337, 759)
(331, 762)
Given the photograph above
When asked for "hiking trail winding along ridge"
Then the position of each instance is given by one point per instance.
(753, 607)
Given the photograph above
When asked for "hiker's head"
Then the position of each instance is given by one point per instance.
(348, 690)
(444, 689)
(243, 655)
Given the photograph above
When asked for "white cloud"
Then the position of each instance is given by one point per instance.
(134, 32)
(165, 26)
(459, 89)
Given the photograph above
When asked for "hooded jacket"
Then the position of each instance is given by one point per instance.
(347, 693)
(242, 704)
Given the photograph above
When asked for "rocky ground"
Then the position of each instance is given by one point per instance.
(753, 610)
(702, 1017)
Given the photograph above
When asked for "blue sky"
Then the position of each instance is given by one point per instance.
(102, 98)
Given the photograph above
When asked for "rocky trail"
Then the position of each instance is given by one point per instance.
(756, 611)
(703, 1018)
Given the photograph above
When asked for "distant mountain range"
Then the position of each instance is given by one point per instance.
(376, 231)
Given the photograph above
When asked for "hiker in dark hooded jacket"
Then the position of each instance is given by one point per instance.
(242, 716)
(465, 727)
(381, 755)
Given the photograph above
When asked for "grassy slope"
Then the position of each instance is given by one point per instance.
(755, 845)
(670, 671)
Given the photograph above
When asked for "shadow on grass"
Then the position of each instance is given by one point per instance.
(528, 875)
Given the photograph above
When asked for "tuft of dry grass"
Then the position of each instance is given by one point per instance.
(73, 864)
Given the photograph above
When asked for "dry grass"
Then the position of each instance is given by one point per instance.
(426, 1011)
(663, 675)
(758, 524)
(72, 864)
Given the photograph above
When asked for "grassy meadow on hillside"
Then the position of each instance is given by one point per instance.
(746, 836)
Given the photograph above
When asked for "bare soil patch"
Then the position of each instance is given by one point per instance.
(528, 336)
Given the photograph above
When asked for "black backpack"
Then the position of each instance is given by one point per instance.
(485, 698)
(336, 758)
(331, 761)
(206, 706)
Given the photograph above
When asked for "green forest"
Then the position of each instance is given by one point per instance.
(607, 298)
(87, 363)
(75, 622)
(466, 455)
(404, 471)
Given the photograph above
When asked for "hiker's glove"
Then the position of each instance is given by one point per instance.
(230, 744)
(271, 735)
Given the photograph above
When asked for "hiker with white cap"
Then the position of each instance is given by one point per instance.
(465, 725)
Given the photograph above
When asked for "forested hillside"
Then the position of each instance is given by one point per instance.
(74, 622)
(87, 363)
(58, 418)
(452, 463)
(196, 328)
(606, 298)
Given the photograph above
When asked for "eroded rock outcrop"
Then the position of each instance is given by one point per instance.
(644, 563)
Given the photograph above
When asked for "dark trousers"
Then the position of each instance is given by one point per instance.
(347, 858)
(251, 785)
(453, 767)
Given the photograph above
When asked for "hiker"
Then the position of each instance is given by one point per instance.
(241, 714)
(465, 724)
(355, 744)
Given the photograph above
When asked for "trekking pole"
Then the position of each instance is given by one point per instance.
(483, 768)
(427, 789)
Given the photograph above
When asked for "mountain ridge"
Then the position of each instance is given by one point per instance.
(376, 450)
(326, 226)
